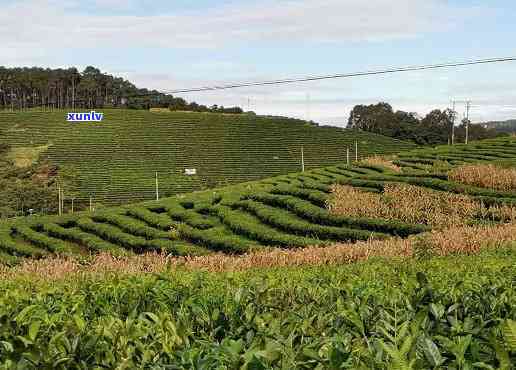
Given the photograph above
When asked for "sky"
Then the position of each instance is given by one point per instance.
(175, 44)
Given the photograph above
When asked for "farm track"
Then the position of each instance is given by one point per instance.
(287, 211)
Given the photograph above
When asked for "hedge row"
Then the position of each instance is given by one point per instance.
(189, 216)
(14, 248)
(317, 215)
(285, 221)
(41, 240)
(8, 259)
(314, 196)
(448, 186)
(132, 226)
(113, 234)
(76, 235)
(159, 221)
(310, 184)
(216, 239)
(245, 224)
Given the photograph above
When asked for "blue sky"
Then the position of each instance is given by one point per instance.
(180, 44)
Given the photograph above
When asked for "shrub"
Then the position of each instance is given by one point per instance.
(159, 221)
(284, 220)
(189, 216)
(76, 235)
(131, 226)
(245, 224)
(113, 234)
(318, 215)
(9, 246)
(42, 240)
(314, 196)
(215, 239)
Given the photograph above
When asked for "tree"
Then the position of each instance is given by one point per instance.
(23, 88)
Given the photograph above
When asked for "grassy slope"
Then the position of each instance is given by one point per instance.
(285, 211)
(117, 159)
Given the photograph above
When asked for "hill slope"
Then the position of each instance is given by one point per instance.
(502, 126)
(116, 160)
(284, 211)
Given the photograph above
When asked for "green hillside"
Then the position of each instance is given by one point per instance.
(283, 211)
(116, 160)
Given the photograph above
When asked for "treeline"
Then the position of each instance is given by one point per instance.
(508, 126)
(26, 88)
(435, 128)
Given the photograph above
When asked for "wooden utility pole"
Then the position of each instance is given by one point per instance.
(72, 204)
(73, 92)
(157, 189)
(58, 198)
(302, 160)
(468, 106)
(453, 123)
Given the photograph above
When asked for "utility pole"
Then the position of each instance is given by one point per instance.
(347, 156)
(468, 106)
(308, 107)
(356, 151)
(453, 123)
(58, 198)
(157, 189)
(73, 92)
(91, 204)
(302, 160)
(72, 204)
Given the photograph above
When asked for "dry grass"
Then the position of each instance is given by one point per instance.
(486, 176)
(405, 203)
(381, 161)
(465, 239)
(26, 156)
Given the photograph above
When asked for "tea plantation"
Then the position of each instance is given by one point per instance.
(439, 313)
(285, 211)
(116, 159)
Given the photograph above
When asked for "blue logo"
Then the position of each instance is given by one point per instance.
(85, 117)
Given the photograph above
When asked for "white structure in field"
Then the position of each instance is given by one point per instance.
(190, 171)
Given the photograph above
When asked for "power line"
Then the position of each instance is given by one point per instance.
(313, 78)
(344, 75)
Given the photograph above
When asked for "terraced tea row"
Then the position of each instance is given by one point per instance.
(116, 160)
(285, 211)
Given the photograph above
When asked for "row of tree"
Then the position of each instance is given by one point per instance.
(24, 88)
(437, 127)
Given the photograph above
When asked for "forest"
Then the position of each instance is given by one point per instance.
(432, 129)
(25, 88)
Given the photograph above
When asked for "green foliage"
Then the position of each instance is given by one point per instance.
(318, 215)
(295, 225)
(116, 160)
(246, 224)
(41, 240)
(434, 128)
(284, 211)
(90, 241)
(458, 314)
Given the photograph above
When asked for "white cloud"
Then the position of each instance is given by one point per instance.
(46, 24)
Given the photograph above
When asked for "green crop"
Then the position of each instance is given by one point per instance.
(438, 313)
(283, 211)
